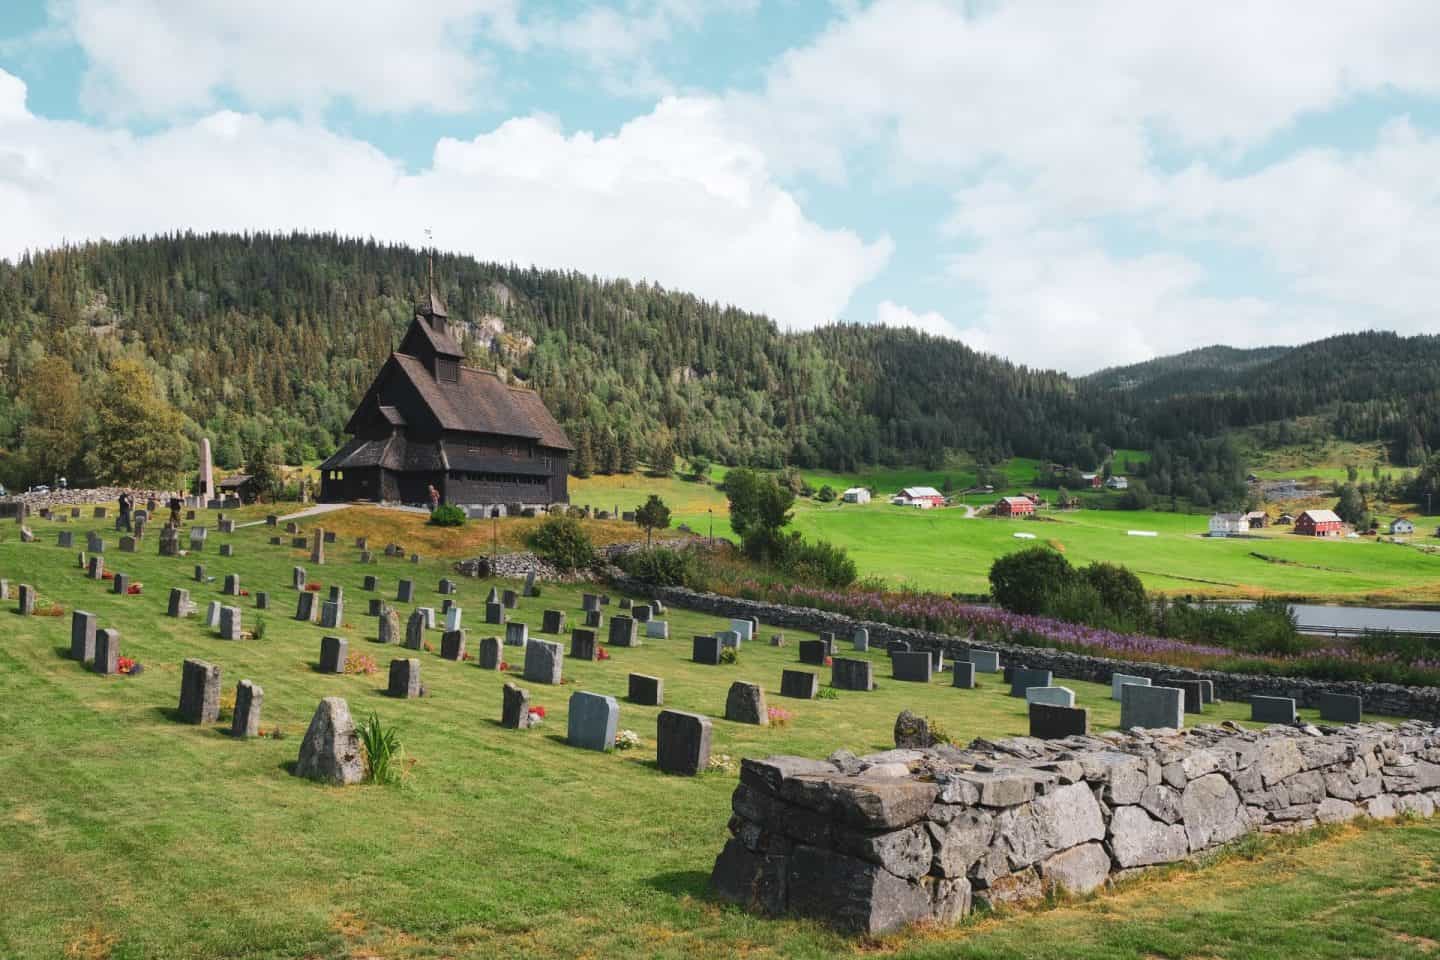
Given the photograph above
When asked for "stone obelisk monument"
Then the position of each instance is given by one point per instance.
(207, 473)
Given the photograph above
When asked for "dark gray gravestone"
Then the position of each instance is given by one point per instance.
(333, 652)
(552, 621)
(1023, 678)
(583, 645)
(1272, 709)
(452, 645)
(66, 538)
(199, 692)
(377, 606)
(1151, 707)
(415, 630)
(370, 582)
(127, 544)
(82, 636)
(199, 573)
(745, 703)
(1050, 721)
(494, 613)
(623, 632)
(120, 583)
(179, 603)
(404, 679)
(337, 593)
(801, 684)
(1340, 707)
(231, 623)
(232, 585)
(262, 600)
(1194, 695)
(516, 634)
(898, 646)
(298, 578)
(706, 650)
(812, 652)
(447, 587)
(937, 660)
(589, 601)
(594, 619)
(544, 661)
(1207, 687)
(646, 690)
(96, 569)
(515, 707)
(226, 550)
(305, 607)
(405, 591)
(962, 674)
(594, 719)
(332, 614)
(489, 658)
(914, 667)
(848, 674)
(388, 630)
(682, 742)
(640, 613)
(248, 700)
(509, 600)
(107, 652)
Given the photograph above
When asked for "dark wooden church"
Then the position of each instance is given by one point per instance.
(428, 420)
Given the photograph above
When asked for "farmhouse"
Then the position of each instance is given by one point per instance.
(921, 497)
(856, 495)
(428, 420)
(1257, 518)
(1229, 524)
(1014, 507)
(1402, 526)
(1319, 523)
(1118, 483)
(239, 485)
(1093, 480)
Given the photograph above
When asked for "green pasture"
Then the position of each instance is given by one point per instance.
(125, 834)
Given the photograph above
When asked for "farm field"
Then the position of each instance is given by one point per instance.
(125, 834)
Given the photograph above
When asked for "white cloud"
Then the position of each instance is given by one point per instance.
(891, 314)
(669, 197)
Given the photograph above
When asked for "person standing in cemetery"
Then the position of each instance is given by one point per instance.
(175, 511)
(125, 504)
(434, 498)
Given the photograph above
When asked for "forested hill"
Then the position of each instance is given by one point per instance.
(268, 340)
(272, 338)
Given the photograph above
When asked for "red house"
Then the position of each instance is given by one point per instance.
(1014, 507)
(1319, 523)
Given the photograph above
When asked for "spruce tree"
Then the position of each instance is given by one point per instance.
(584, 462)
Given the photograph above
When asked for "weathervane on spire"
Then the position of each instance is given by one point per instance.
(430, 255)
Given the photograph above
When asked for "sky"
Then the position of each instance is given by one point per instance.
(1068, 185)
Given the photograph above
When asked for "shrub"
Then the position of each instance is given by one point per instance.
(382, 750)
(818, 561)
(1023, 581)
(729, 655)
(826, 494)
(662, 567)
(563, 542)
(259, 629)
(448, 515)
(827, 693)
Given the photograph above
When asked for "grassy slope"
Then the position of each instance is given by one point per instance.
(124, 834)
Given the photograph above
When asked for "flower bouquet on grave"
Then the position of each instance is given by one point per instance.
(128, 666)
(360, 663)
(135, 589)
(313, 587)
(244, 593)
(425, 645)
(504, 667)
(537, 715)
(602, 654)
(829, 661)
(720, 763)
(626, 740)
(107, 575)
(779, 716)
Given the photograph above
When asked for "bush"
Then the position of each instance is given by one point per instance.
(729, 655)
(1120, 591)
(1023, 581)
(818, 562)
(827, 494)
(662, 567)
(563, 542)
(448, 515)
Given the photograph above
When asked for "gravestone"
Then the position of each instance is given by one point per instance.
(82, 636)
(96, 568)
(777, 639)
(262, 600)
(937, 660)
(248, 700)
(139, 526)
(583, 645)
(199, 692)
(801, 684)
(509, 600)
(493, 596)
(198, 536)
(271, 520)
(212, 615)
(706, 650)
(1194, 695)
(552, 621)
(623, 632)
(405, 591)
(1340, 708)
(377, 607)
(625, 603)
(230, 623)
(66, 539)
(594, 719)
(226, 526)
(452, 645)
(986, 661)
(594, 619)
(1023, 678)
(589, 601)
(333, 653)
(75, 512)
(494, 613)
(331, 751)
(544, 661)
(646, 690)
(298, 578)
(1272, 709)
(729, 638)
(1207, 690)
(370, 582)
(489, 658)
(226, 549)
(682, 742)
(299, 543)
(329, 536)
(415, 630)
(317, 547)
(851, 674)
(898, 646)
(744, 628)
(812, 652)
(657, 630)
(446, 605)
(100, 513)
(1049, 721)
(860, 639)
(169, 542)
(127, 544)
(389, 626)
(199, 573)
(962, 674)
(1118, 680)
(515, 707)
(516, 634)
(529, 588)
(640, 613)
(447, 587)
(745, 703)
(913, 667)
(107, 652)
(362, 543)
(337, 593)
(232, 585)
(120, 584)
(179, 603)
(429, 614)
(1151, 707)
(453, 617)
(332, 615)
(1051, 696)
(94, 544)
(305, 607)
(404, 679)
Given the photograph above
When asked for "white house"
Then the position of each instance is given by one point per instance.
(1229, 524)
(922, 497)
(1403, 526)
(1118, 483)
(856, 495)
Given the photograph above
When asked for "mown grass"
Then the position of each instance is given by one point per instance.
(125, 834)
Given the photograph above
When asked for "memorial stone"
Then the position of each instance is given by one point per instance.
(199, 692)
(107, 652)
(593, 721)
(745, 703)
(1151, 707)
(914, 667)
(404, 679)
(1051, 696)
(583, 645)
(552, 621)
(646, 690)
(1340, 708)
(1272, 709)
(544, 661)
(1022, 679)
(1049, 721)
(248, 700)
(682, 742)
(962, 674)
(801, 684)
(623, 632)
(333, 653)
(706, 650)
(515, 708)
(489, 653)
(851, 674)
(82, 636)
(516, 634)
(1118, 680)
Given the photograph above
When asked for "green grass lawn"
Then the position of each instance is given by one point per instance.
(125, 834)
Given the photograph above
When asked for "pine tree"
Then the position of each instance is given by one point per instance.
(583, 464)
(629, 459)
(607, 452)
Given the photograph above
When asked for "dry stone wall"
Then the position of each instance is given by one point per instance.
(876, 842)
(1379, 698)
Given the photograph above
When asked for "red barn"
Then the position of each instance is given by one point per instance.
(1319, 523)
(1014, 507)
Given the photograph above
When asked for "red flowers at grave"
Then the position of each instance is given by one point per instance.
(107, 575)
(134, 589)
(603, 654)
(244, 593)
(538, 711)
(828, 662)
(126, 664)
(504, 666)
(313, 587)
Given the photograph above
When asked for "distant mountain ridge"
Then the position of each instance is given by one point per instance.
(1205, 369)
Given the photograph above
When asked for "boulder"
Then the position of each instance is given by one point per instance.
(1212, 811)
(1137, 840)
(330, 751)
(1077, 870)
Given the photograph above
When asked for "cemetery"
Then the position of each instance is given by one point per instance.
(766, 801)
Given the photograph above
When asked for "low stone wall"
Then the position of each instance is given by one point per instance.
(872, 843)
(1382, 698)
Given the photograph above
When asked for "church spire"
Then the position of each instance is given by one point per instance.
(431, 307)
